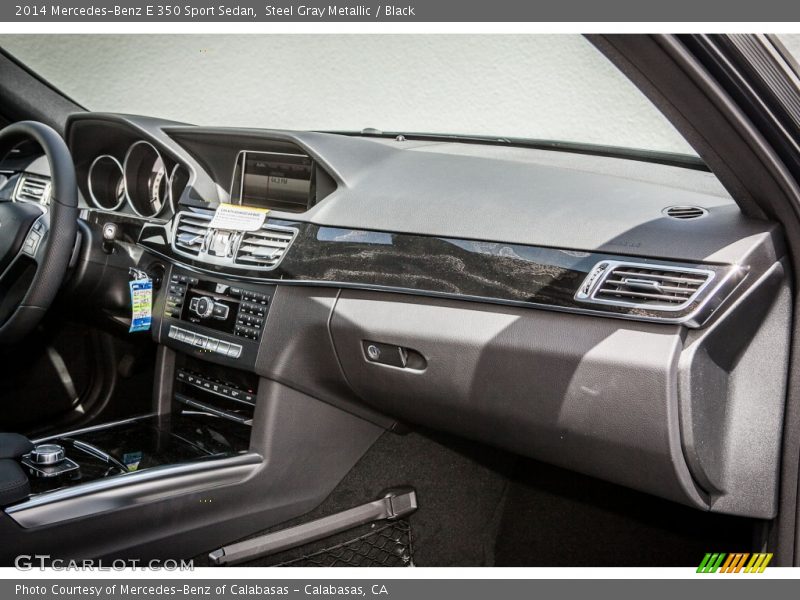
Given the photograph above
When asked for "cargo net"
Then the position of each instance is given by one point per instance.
(384, 545)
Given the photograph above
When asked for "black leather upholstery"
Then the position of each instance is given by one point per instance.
(14, 484)
(14, 445)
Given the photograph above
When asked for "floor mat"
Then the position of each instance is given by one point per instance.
(558, 518)
(460, 488)
(479, 506)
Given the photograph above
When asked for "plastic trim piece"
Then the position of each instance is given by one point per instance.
(131, 489)
(393, 505)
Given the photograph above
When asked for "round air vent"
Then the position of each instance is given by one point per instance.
(685, 212)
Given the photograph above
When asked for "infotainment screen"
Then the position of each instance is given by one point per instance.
(280, 181)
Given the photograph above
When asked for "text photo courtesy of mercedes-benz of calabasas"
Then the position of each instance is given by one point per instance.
(454, 301)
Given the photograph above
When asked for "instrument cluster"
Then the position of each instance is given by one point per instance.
(142, 179)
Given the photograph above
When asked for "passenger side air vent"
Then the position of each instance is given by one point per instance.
(33, 189)
(645, 286)
(685, 212)
(191, 230)
(264, 248)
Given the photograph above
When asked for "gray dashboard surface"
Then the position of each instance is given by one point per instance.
(515, 195)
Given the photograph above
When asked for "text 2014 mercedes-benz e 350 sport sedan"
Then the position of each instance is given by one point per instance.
(264, 340)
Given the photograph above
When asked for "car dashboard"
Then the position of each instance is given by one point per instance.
(588, 311)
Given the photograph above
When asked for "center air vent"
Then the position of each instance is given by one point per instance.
(190, 232)
(33, 189)
(652, 287)
(259, 250)
(685, 212)
(263, 248)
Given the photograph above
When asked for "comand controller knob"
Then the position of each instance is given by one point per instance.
(204, 307)
(47, 454)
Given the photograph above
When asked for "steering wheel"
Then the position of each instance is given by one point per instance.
(36, 241)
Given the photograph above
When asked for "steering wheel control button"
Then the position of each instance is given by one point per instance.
(47, 454)
(32, 242)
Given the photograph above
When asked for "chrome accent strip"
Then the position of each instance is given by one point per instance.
(593, 282)
(217, 412)
(203, 254)
(98, 453)
(174, 201)
(132, 489)
(125, 180)
(91, 189)
(94, 428)
(46, 193)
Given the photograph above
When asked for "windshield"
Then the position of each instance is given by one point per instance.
(521, 86)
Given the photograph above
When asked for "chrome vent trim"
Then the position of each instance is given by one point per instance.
(685, 212)
(263, 248)
(32, 189)
(191, 231)
(260, 250)
(651, 287)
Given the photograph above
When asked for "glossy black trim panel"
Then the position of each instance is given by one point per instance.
(462, 269)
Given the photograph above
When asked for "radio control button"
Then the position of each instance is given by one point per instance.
(220, 311)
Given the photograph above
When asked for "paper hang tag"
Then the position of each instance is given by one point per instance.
(141, 304)
(238, 218)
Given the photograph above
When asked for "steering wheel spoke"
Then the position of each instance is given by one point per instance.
(35, 242)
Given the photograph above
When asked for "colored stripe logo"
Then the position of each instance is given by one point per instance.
(739, 562)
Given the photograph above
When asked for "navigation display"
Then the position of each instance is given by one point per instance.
(273, 180)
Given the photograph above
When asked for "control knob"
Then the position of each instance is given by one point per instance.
(47, 454)
(204, 307)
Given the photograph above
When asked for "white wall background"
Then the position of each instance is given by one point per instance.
(538, 86)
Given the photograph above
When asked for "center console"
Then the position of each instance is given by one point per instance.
(137, 445)
(215, 328)
(214, 319)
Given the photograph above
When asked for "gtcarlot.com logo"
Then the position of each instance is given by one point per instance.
(28, 562)
(738, 562)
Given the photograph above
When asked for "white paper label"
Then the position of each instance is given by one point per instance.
(238, 218)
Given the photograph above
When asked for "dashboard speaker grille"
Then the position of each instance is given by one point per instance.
(263, 248)
(645, 286)
(191, 230)
(33, 189)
